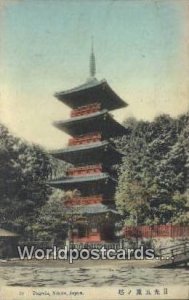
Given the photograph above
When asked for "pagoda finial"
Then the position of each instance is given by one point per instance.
(92, 65)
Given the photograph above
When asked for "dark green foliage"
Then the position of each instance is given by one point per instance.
(51, 224)
(28, 205)
(153, 177)
(23, 175)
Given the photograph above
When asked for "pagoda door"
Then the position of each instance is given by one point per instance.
(82, 230)
(107, 232)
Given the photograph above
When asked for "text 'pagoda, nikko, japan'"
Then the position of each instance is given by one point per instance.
(92, 153)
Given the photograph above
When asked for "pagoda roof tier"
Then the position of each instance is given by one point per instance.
(90, 92)
(90, 153)
(90, 209)
(102, 183)
(96, 122)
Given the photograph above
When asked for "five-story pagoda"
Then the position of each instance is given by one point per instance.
(92, 154)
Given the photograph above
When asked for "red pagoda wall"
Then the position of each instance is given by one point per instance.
(85, 139)
(85, 110)
(85, 170)
(85, 200)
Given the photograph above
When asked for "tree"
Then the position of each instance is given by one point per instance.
(154, 169)
(133, 203)
(24, 171)
(53, 222)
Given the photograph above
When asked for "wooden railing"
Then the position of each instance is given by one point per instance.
(85, 110)
(172, 256)
(85, 170)
(175, 250)
(169, 230)
(85, 139)
(84, 200)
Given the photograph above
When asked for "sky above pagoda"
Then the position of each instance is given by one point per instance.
(141, 49)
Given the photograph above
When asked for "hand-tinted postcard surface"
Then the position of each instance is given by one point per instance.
(94, 149)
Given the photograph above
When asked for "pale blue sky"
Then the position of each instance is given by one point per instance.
(140, 47)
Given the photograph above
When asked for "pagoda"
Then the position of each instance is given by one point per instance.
(92, 154)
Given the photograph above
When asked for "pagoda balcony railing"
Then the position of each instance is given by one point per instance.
(84, 200)
(85, 139)
(85, 170)
(85, 110)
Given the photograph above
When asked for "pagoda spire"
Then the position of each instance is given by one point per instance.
(92, 63)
